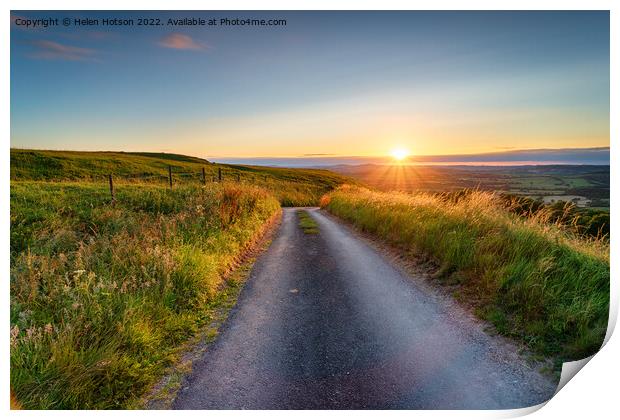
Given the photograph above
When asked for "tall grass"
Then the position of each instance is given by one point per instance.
(532, 279)
(102, 295)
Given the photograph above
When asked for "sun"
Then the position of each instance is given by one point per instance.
(399, 154)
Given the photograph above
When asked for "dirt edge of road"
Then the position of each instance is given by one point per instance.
(421, 271)
(164, 391)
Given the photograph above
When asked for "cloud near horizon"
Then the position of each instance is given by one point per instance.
(51, 50)
(179, 41)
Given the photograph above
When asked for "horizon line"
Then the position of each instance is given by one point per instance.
(328, 156)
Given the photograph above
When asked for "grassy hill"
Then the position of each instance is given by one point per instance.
(51, 165)
(293, 187)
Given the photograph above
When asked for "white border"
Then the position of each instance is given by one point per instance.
(592, 394)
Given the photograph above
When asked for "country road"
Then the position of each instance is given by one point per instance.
(326, 321)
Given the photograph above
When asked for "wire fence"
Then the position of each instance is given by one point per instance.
(172, 178)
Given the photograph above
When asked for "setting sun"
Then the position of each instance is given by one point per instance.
(399, 154)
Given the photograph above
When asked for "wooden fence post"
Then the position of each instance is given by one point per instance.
(238, 177)
(204, 177)
(112, 189)
(219, 174)
(170, 175)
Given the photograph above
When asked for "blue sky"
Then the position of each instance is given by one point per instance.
(333, 83)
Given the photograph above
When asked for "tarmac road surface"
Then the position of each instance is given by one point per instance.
(326, 321)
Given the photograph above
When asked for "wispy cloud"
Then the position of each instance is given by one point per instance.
(51, 50)
(180, 42)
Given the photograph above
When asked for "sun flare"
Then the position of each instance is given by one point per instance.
(399, 154)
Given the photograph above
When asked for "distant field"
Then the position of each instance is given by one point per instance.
(293, 187)
(586, 186)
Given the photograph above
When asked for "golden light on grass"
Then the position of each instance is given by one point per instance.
(399, 154)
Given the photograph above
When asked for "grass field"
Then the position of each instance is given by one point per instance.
(102, 295)
(292, 187)
(532, 279)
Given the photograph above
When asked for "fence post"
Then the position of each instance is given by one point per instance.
(170, 176)
(219, 174)
(204, 177)
(238, 178)
(112, 189)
